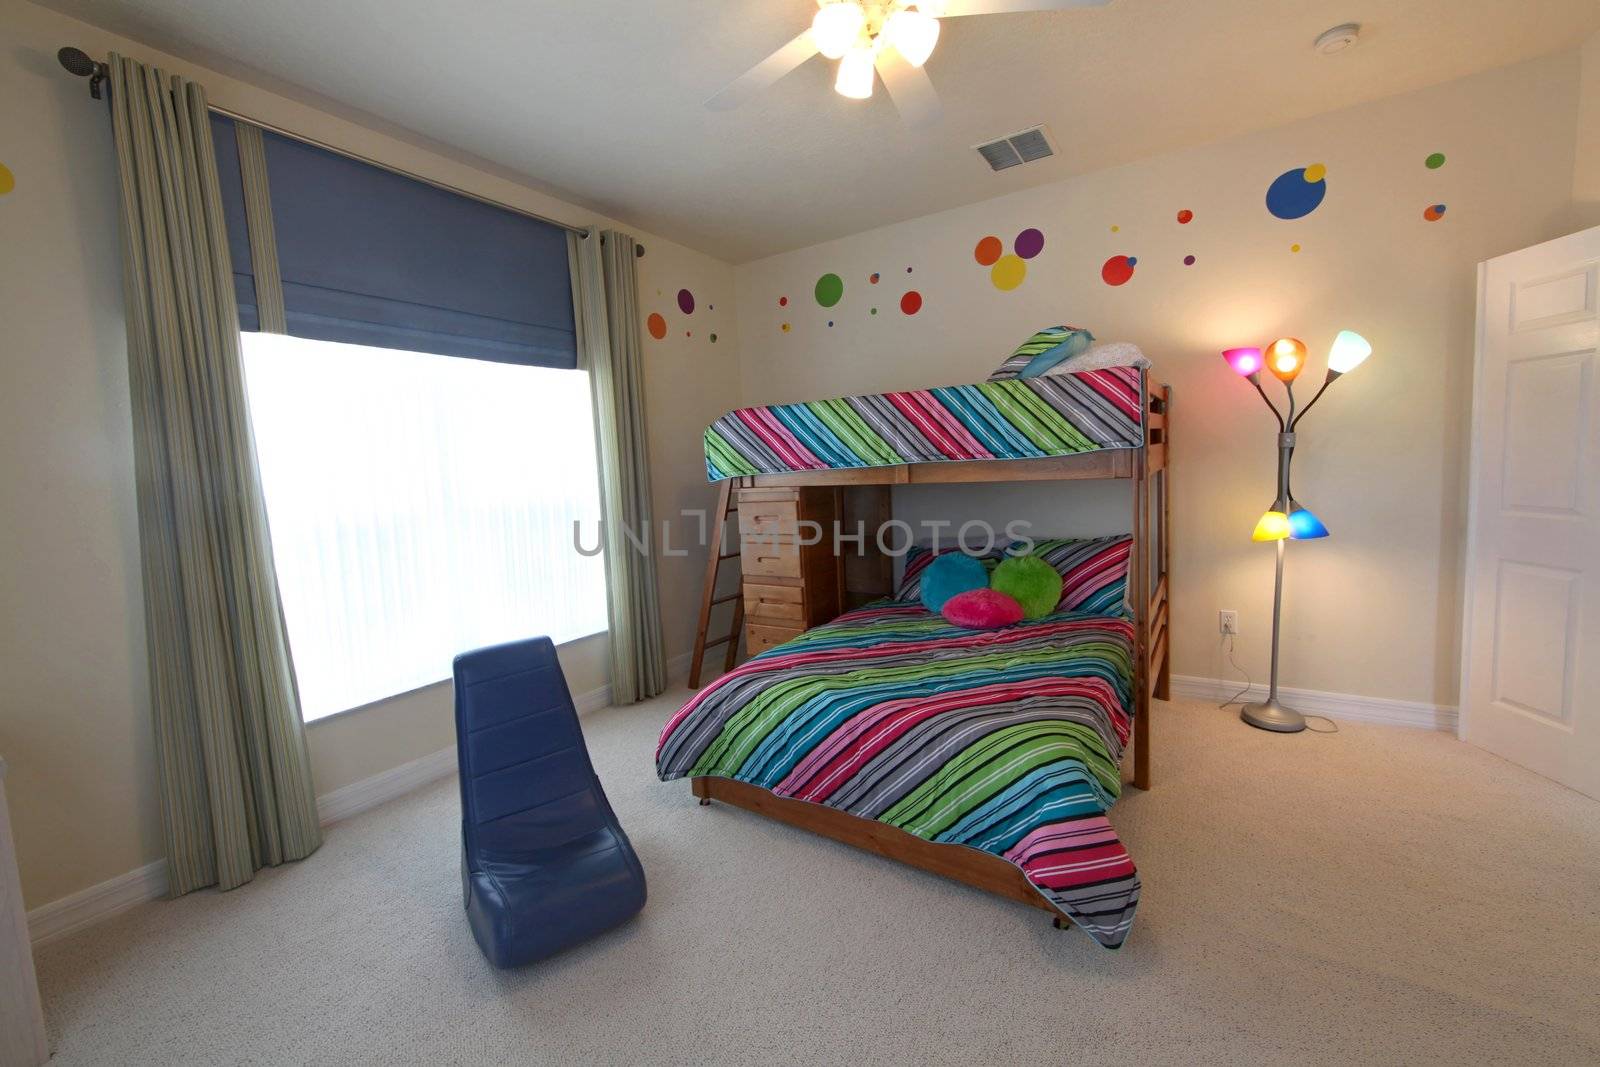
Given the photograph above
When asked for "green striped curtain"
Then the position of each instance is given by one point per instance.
(606, 312)
(235, 775)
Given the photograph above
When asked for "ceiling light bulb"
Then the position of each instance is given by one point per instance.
(913, 35)
(855, 74)
(836, 26)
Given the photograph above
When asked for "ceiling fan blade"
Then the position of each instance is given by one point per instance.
(958, 8)
(910, 89)
(764, 73)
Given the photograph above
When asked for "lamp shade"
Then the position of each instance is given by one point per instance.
(1303, 525)
(836, 26)
(1286, 357)
(1272, 526)
(913, 35)
(1244, 361)
(1349, 351)
(855, 74)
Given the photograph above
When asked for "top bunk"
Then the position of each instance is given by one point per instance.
(1106, 422)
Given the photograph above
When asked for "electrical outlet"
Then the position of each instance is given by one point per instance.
(1228, 622)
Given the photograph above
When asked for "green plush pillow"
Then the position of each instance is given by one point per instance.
(1031, 581)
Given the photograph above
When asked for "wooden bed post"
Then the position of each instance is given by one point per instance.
(1139, 573)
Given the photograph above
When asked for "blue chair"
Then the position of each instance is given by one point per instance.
(544, 863)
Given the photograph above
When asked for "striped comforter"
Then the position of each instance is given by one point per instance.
(1024, 418)
(1002, 740)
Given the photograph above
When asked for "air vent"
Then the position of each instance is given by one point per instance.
(1017, 148)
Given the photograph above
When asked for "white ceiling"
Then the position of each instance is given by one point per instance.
(601, 100)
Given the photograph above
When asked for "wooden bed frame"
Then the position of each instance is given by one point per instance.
(1146, 470)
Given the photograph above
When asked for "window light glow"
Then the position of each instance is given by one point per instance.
(420, 506)
(1286, 357)
(835, 28)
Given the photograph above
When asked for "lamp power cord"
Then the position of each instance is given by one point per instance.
(1237, 698)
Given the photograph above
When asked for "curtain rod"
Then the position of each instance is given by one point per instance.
(78, 62)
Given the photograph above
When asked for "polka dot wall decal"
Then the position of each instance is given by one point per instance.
(1188, 261)
(988, 250)
(1114, 229)
(1118, 269)
(908, 270)
(656, 325)
(830, 287)
(1294, 248)
(1029, 243)
(713, 338)
(1433, 213)
(911, 303)
(830, 324)
(1008, 273)
(8, 181)
(874, 311)
(1434, 161)
(688, 333)
(873, 277)
(686, 301)
(1296, 193)
(786, 327)
(1185, 217)
(783, 301)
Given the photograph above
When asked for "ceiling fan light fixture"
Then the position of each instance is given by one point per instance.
(837, 26)
(855, 73)
(913, 34)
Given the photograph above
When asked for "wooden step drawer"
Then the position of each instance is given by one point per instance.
(778, 603)
(764, 558)
(758, 637)
(764, 518)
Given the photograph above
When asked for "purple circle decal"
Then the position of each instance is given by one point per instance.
(1029, 243)
(686, 301)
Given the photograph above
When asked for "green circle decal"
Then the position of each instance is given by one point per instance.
(1435, 161)
(830, 287)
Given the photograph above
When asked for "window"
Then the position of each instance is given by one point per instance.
(420, 506)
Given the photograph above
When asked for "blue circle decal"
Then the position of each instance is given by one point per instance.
(1296, 193)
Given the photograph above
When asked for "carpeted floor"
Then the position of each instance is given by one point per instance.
(1375, 895)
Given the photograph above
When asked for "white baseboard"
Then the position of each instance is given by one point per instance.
(88, 906)
(1333, 705)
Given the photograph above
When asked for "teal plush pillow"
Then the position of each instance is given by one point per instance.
(1031, 581)
(949, 574)
(1041, 344)
(1077, 341)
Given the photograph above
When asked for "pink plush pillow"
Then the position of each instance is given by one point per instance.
(982, 609)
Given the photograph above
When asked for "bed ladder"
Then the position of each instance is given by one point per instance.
(709, 599)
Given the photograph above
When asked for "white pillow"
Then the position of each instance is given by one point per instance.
(1102, 355)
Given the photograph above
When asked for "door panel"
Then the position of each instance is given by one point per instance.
(1531, 640)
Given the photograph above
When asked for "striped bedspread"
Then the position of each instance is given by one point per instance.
(1002, 740)
(1029, 418)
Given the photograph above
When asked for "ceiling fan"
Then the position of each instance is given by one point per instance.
(893, 37)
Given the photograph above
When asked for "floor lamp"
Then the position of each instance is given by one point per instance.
(1286, 520)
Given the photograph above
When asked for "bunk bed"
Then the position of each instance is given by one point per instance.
(841, 676)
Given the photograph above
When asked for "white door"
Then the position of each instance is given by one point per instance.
(1531, 645)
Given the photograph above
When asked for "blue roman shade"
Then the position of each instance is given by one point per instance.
(371, 257)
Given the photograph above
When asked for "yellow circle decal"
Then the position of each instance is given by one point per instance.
(8, 181)
(1008, 272)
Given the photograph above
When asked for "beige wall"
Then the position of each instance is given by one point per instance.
(1586, 161)
(1372, 610)
(74, 717)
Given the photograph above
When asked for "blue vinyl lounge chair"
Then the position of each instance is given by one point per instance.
(544, 863)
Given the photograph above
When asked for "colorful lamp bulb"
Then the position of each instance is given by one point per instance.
(855, 74)
(836, 26)
(1244, 361)
(1273, 526)
(1303, 525)
(1286, 357)
(1349, 351)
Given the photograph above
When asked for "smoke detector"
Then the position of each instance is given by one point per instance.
(1014, 149)
(1340, 38)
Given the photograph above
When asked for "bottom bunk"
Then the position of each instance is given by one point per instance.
(1007, 742)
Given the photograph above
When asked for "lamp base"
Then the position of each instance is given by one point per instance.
(1271, 715)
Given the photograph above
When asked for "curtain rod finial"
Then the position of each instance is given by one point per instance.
(77, 63)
